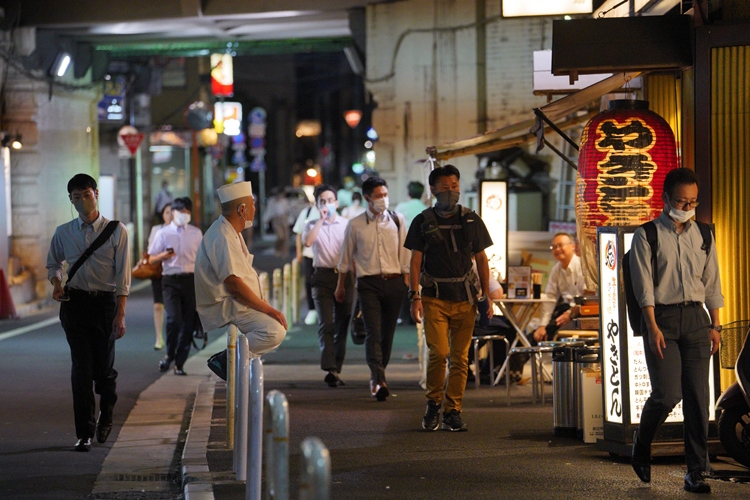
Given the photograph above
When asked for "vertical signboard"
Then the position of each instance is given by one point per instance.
(493, 209)
(609, 307)
(222, 75)
(257, 134)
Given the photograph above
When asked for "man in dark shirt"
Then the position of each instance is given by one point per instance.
(443, 240)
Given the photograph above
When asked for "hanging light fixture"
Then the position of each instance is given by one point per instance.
(352, 117)
(626, 152)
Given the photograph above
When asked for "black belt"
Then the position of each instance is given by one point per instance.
(328, 269)
(384, 276)
(178, 275)
(87, 293)
(681, 305)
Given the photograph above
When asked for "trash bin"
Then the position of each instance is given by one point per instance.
(587, 366)
(565, 389)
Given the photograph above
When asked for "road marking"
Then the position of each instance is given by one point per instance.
(29, 328)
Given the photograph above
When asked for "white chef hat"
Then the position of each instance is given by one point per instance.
(231, 192)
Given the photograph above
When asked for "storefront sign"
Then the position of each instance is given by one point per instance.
(228, 118)
(222, 75)
(493, 209)
(609, 305)
(111, 108)
(257, 133)
(521, 8)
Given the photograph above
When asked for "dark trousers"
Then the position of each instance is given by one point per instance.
(307, 269)
(87, 321)
(681, 375)
(333, 317)
(380, 302)
(179, 302)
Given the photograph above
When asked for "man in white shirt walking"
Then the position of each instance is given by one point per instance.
(175, 246)
(374, 241)
(325, 236)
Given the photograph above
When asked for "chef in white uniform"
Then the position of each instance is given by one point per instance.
(227, 288)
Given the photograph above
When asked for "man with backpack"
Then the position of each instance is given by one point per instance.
(443, 239)
(671, 288)
(373, 248)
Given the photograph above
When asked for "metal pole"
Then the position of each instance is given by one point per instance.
(276, 301)
(231, 382)
(315, 480)
(255, 431)
(286, 290)
(241, 408)
(139, 200)
(277, 446)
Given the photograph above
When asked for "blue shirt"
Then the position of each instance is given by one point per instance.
(184, 241)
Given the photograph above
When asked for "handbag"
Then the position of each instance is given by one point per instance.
(357, 325)
(145, 271)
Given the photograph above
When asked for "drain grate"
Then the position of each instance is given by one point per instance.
(145, 478)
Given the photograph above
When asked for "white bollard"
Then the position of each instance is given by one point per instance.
(277, 446)
(277, 299)
(295, 293)
(255, 431)
(286, 290)
(231, 353)
(265, 287)
(315, 481)
(241, 408)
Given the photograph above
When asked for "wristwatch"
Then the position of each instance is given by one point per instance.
(413, 295)
(716, 327)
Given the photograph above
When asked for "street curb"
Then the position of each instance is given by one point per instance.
(197, 479)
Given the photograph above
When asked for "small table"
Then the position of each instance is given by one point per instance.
(519, 312)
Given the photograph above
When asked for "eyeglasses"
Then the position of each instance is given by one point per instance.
(684, 203)
(559, 245)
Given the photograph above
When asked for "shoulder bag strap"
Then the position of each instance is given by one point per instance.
(99, 241)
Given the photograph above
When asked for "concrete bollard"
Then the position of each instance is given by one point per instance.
(255, 431)
(231, 379)
(277, 446)
(265, 288)
(277, 302)
(241, 408)
(315, 480)
(286, 290)
(295, 293)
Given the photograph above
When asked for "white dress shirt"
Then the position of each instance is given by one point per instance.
(222, 253)
(184, 241)
(566, 283)
(327, 246)
(375, 245)
(108, 268)
(306, 215)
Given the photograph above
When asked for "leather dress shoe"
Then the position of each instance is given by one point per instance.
(695, 483)
(179, 371)
(641, 462)
(103, 428)
(381, 392)
(164, 364)
(83, 445)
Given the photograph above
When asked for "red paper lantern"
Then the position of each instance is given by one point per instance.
(625, 154)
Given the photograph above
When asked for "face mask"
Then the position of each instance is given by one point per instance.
(85, 207)
(447, 200)
(248, 223)
(331, 210)
(181, 219)
(380, 205)
(680, 216)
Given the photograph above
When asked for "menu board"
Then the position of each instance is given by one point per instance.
(519, 282)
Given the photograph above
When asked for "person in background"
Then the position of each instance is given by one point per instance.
(163, 198)
(305, 259)
(344, 195)
(413, 207)
(277, 214)
(166, 217)
(564, 284)
(176, 246)
(355, 208)
(227, 288)
(374, 241)
(443, 239)
(92, 307)
(325, 236)
(680, 337)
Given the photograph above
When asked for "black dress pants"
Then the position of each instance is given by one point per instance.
(87, 321)
(179, 302)
(307, 269)
(333, 317)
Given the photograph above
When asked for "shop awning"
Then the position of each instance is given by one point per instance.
(529, 130)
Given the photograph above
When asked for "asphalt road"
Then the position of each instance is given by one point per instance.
(37, 433)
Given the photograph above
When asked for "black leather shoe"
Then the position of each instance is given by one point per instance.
(218, 364)
(381, 392)
(694, 482)
(179, 371)
(164, 364)
(641, 461)
(83, 445)
(103, 428)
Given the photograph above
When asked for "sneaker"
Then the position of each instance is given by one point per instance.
(452, 422)
(312, 317)
(431, 420)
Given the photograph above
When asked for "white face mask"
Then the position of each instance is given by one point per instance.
(678, 215)
(180, 218)
(380, 205)
(248, 223)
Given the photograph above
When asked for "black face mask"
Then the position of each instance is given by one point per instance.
(447, 200)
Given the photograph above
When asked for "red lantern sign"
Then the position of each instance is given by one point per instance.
(625, 154)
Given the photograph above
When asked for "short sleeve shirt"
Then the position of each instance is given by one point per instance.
(441, 259)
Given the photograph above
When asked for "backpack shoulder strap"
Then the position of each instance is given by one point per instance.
(99, 241)
(394, 216)
(706, 231)
(653, 241)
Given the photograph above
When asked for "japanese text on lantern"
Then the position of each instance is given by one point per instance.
(625, 173)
